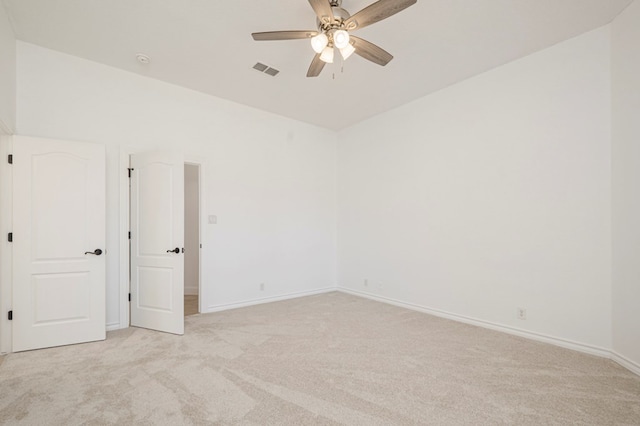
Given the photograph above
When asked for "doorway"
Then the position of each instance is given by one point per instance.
(191, 239)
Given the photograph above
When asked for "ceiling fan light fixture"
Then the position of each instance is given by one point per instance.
(327, 55)
(341, 39)
(319, 42)
(347, 51)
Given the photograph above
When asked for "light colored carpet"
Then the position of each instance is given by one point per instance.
(190, 305)
(326, 359)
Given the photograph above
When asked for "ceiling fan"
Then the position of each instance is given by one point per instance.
(334, 27)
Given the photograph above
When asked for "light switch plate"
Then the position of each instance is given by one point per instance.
(213, 219)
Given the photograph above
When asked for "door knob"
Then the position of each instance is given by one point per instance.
(175, 250)
(97, 252)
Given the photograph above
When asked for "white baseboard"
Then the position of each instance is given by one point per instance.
(568, 344)
(114, 326)
(244, 304)
(626, 362)
(191, 291)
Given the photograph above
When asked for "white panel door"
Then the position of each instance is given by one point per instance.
(58, 243)
(157, 241)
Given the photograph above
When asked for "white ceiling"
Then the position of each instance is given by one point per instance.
(206, 45)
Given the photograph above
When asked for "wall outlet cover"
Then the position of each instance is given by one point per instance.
(522, 313)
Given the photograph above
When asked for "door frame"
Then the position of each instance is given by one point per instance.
(6, 251)
(124, 227)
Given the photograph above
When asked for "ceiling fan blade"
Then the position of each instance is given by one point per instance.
(316, 66)
(323, 10)
(283, 35)
(377, 11)
(371, 52)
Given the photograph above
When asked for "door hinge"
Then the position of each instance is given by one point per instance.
(10, 158)
(10, 237)
(10, 316)
(130, 170)
(129, 297)
(129, 234)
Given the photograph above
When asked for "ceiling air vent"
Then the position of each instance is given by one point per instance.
(260, 67)
(266, 69)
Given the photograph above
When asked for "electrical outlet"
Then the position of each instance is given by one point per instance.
(261, 286)
(366, 282)
(522, 313)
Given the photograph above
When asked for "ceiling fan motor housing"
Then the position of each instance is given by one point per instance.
(339, 16)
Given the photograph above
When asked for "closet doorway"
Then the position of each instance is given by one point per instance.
(191, 238)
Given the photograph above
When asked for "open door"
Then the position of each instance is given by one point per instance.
(58, 243)
(157, 241)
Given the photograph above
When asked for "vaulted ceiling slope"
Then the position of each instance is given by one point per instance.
(206, 46)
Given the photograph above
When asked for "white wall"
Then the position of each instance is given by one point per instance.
(191, 229)
(490, 195)
(270, 180)
(7, 74)
(626, 183)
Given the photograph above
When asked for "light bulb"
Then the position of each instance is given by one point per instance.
(327, 55)
(319, 42)
(347, 51)
(341, 39)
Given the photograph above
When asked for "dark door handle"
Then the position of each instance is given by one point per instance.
(97, 252)
(175, 250)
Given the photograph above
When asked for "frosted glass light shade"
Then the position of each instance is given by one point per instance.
(319, 42)
(341, 39)
(327, 55)
(347, 51)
